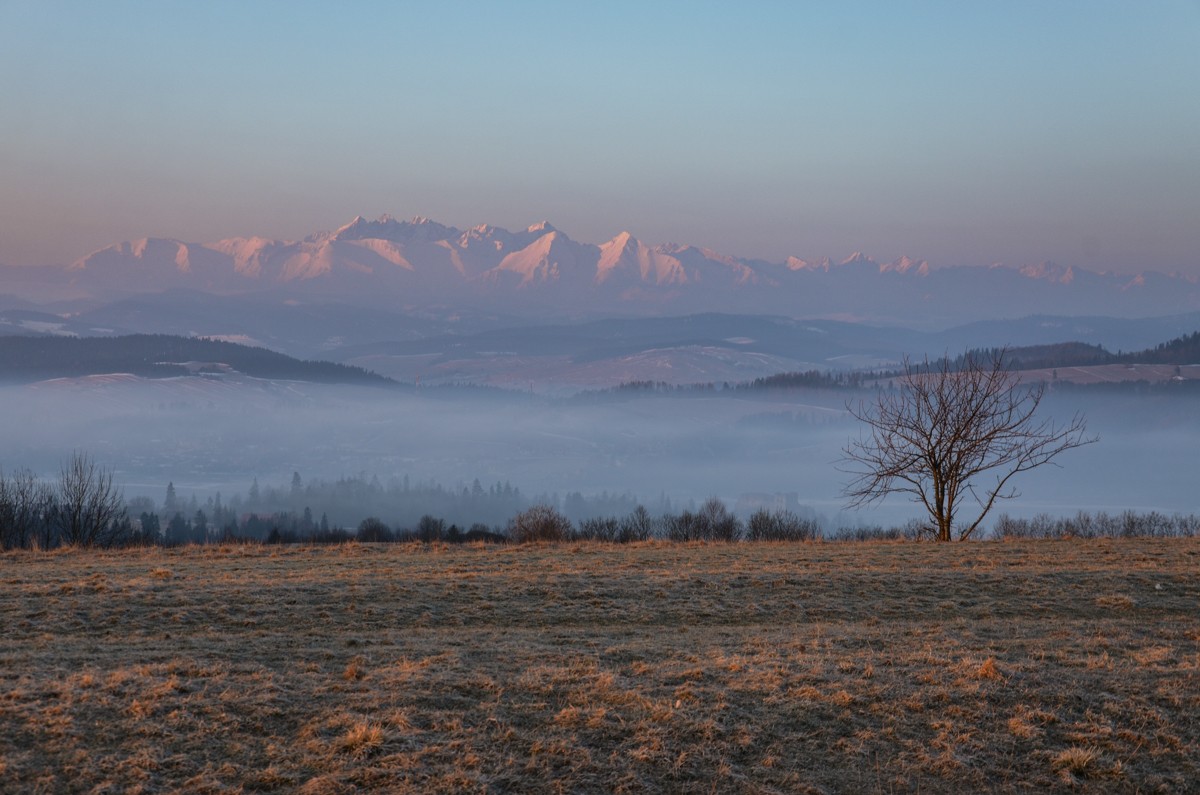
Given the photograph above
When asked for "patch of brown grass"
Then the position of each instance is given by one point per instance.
(1077, 763)
(362, 739)
(1030, 666)
(1117, 601)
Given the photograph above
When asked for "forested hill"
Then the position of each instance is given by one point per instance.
(1181, 350)
(26, 359)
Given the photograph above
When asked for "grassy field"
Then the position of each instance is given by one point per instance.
(584, 668)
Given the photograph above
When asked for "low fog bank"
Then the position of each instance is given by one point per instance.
(208, 437)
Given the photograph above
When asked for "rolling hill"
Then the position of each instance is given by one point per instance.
(27, 359)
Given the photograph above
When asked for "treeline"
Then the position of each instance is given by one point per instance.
(1127, 524)
(712, 521)
(25, 359)
(1033, 357)
(82, 508)
(1179, 351)
(401, 500)
(634, 389)
(808, 379)
(1043, 357)
(1139, 388)
(320, 511)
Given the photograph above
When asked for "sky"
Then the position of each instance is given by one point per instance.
(964, 133)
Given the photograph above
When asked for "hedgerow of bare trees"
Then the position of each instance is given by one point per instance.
(638, 525)
(27, 511)
(83, 509)
(953, 433)
(1127, 524)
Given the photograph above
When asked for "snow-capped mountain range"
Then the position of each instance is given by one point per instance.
(422, 263)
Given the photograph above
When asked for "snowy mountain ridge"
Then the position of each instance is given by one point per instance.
(421, 262)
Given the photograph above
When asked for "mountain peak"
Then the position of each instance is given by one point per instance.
(357, 223)
(1049, 271)
(905, 264)
(797, 264)
(542, 226)
(857, 258)
(386, 227)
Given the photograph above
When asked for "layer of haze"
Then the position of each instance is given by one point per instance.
(965, 133)
(207, 435)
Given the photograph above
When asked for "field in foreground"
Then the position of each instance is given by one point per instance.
(585, 668)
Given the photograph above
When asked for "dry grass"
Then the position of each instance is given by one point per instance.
(656, 668)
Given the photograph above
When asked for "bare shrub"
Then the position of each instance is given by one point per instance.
(681, 527)
(539, 523)
(639, 525)
(868, 533)
(373, 529)
(1009, 527)
(766, 525)
(713, 522)
(430, 528)
(599, 528)
(719, 523)
(481, 533)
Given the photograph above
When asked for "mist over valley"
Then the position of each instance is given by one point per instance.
(670, 439)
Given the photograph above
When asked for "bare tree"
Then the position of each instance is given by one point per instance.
(89, 506)
(780, 526)
(953, 431)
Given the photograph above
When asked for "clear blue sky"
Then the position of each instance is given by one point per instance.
(963, 132)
